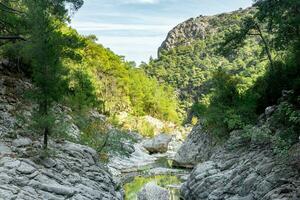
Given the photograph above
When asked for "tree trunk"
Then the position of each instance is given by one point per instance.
(104, 143)
(14, 37)
(46, 128)
(46, 133)
(266, 46)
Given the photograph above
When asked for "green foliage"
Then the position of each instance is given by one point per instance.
(105, 81)
(282, 18)
(192, 69)
(47, 47)
(94, 131)
(147, 96)
(258, 135)
(74, 70)
(39, 122)
(146, 129)
(260, 58)
(280, 132)
(287, 120)
(280, 23)
(138, 124)
(97, 134)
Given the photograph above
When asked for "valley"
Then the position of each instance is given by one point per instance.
(214, 117)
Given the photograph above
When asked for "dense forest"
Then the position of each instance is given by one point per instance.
(224, 80)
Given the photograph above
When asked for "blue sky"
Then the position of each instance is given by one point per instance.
(136, 28)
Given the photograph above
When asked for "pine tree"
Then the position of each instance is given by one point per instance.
(47, 48)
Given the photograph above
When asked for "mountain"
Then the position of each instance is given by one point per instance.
(200, 28)
(189, 58)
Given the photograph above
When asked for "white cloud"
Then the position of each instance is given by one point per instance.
(94, 26)
(140, 1)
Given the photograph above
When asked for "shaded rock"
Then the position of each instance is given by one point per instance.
(198, 147)
(270, 110)
(158, 144)
(73, 131)
(48, 162)
(295, 155)
(153, 192)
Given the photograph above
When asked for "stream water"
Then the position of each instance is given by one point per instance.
(171, 181)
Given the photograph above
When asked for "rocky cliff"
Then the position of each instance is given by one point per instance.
(198, 28)
(66, 171)
(244, 168)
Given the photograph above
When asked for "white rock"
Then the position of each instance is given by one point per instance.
(158, 144)
(22, 142)
(151, 191)
(25, 168)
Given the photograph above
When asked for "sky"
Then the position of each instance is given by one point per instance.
(136, 28)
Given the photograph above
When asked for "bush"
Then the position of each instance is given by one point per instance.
(281, 131)
(146, 129)
(286, 120)
(228, 109)
(98, 134)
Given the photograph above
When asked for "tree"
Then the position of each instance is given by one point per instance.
(48, 45)
(282, 18)
(11, 21)
(236, 39)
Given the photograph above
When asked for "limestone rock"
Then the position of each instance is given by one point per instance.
(73, 173)
(25, 168)
(4, 149)
(153, 192)
(158, 144)
(197, 28)
(198, 147)
(22, 142)
(242, 174)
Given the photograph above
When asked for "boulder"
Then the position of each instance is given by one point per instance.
(25, 168)
(158, 144)
(4, 149)
(198, 147)
(22, 142)
(270, 110)
(151, 191)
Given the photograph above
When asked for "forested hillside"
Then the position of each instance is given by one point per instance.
(189, 58)
(74, 70)
(228, 68)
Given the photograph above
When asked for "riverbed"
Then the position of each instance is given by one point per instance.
(141, 168)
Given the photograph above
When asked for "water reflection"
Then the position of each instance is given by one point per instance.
(166, 181)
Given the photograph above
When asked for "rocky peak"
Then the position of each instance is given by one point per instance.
(182, 34)
(197, 28)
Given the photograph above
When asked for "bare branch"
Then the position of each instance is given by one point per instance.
(9, 9)
(12, 38)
